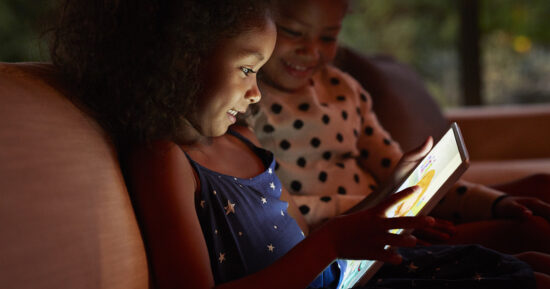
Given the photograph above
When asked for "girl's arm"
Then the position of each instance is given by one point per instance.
(164, 188)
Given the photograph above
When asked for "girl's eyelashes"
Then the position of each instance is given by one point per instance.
(297, 34)
(290, 32)
(328, 39)
(247, 70)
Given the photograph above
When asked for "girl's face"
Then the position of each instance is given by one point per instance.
(230, 78)
(307, 31)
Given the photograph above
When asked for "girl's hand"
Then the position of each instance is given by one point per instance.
(521, 208)
(407, 162)
(410, 159)
(365, 234)
(439, 233)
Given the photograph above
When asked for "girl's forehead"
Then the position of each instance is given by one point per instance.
(255, 43)
(312, 4)
(308, 11)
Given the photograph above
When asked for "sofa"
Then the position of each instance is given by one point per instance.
(505, 143)
(66, 219)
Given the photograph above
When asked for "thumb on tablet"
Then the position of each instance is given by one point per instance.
(409, 160)
(396, 198)
(419, 152)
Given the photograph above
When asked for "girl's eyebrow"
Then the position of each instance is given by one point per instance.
(290, 17)
(248, 52)
(333, 28)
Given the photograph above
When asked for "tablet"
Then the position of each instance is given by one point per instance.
(435, 174)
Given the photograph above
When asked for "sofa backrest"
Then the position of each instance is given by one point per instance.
(66, 220)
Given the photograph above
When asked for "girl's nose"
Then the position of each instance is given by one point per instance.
(309, 48)
(253, 94)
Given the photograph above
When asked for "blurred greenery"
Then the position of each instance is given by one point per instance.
(21, 27)
(526, 18)
(515, 42)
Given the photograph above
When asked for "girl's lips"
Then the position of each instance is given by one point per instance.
(297, 70)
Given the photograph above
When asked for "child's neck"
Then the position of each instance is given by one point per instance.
(226, 154)
(192, 137)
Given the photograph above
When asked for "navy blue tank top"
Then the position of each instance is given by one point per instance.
(245, 224)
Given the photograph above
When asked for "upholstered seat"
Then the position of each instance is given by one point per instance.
(66, 220)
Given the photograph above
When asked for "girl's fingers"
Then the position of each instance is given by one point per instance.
(419, 152)
(411, 159)
(537, 206)
(442, 230)
(445, 226)
(431, 234)
(394, 240)
(388, 256)
(417, 222)
(394, 198)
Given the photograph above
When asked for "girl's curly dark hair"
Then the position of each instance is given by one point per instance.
(135, 65)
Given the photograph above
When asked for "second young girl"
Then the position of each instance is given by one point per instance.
(332, 151)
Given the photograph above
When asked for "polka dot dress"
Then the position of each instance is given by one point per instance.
(330, 147)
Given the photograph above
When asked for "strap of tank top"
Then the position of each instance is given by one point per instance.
(243, 139)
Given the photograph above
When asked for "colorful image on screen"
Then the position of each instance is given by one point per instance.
(430, 175)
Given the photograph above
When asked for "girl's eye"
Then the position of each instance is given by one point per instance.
(247, 70)
(290, 32)
(328, 39)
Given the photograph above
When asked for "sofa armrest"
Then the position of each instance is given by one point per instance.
(505, 133)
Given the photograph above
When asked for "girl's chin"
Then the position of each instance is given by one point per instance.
(214, 130)
(293, 84)
(221, 130)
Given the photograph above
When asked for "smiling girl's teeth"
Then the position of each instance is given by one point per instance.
(296, 67)
(233, 112)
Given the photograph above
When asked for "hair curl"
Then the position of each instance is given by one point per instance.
(124, 58)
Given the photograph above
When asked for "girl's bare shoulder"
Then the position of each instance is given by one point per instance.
(160, 164)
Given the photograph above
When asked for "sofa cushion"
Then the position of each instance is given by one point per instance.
(492, 172)
(65, 215)
(505, 132)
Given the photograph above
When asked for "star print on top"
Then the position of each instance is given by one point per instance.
(245, 224)
(331, 149)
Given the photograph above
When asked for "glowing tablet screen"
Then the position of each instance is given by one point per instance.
(439, 165)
